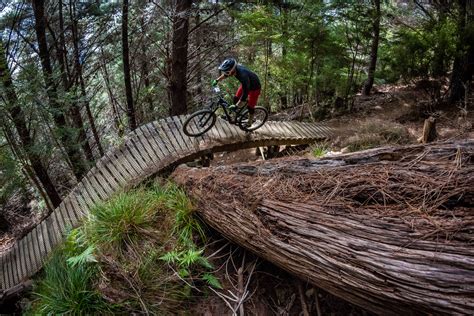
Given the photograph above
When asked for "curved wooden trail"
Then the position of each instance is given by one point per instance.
(149, 149)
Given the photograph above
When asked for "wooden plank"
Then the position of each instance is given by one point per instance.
(30, 262)
(301, 130)
(83, 196)
(62, 210)
(87, 188)
(21, 259)
(139, 154)
(75, 207)
(170, 137)
(304, 130)
(9, 269)
(98, 187)
(117, 175)
(3, 282)
(150, 147)
(103, 175)
(15, 267)
(73, 215)
(295, 126)
(53, 229)
(309, 130)
(163, 138)
(316, 131)
(155, 138)
(286, 131)
(30, 257)
(193, 142)
(177, 128)
(128, 157)
(293, 130)
(114, 164)
(43, 233)
(150, 154)
(124, 166)
(35, 251)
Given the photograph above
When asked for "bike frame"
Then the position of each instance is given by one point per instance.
(225, 106)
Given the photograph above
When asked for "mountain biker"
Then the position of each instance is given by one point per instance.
(249, 89)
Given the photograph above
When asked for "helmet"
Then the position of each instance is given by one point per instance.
(228, 65)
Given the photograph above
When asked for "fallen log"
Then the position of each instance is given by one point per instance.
(390, 230)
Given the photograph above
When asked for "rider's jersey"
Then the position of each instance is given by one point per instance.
(248, 79)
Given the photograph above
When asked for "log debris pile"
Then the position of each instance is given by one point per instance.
(390, 229)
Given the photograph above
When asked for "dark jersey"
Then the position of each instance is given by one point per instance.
(248, 79)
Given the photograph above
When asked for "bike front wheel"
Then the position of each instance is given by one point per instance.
(260, 116)
(199, 123)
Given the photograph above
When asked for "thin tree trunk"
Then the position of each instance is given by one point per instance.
(132, 122)
(456, 85)
(19, 120)
(179, 58)
(79, 75)
(73, 153)
(374, 49)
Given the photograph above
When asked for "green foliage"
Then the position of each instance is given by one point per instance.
(143, 240)
(319, 150)
(68, 283)
(122, 220)
(10, 175)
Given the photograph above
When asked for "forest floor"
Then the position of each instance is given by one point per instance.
(393, 115)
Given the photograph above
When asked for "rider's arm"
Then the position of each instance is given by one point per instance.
(223, 76)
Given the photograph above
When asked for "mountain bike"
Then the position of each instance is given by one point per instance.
(203, 120)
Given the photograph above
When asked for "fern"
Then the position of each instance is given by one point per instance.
(212, 280)
(85, 257)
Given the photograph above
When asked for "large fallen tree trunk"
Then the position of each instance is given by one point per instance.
(390, 230)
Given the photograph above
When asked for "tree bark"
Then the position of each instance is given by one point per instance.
(356, 225)
(79, 75)
(456, 86)
(179, 58)
(132, 123)
(73, 153)
(374, 49)
(19, 120)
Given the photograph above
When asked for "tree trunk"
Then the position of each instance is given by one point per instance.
(373, 50)
(456, 86)
(80, 77)
(132, 123)
(19, 120)
(384, 229)
(73, 153)
(179, 58)
(429, 131)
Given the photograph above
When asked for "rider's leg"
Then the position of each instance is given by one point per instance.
(252, 102)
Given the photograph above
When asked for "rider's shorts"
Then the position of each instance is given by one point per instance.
(252, 98)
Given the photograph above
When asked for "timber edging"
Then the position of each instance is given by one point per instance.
(146, 151)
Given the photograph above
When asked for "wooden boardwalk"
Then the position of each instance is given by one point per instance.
(146, 151)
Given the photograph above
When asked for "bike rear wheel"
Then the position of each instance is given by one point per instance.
(259, 118)
(199, 123)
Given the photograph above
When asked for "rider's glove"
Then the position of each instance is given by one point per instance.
(214, 83)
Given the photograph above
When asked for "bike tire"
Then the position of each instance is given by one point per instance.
(260, 117)
(199, 123)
